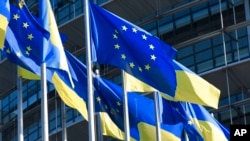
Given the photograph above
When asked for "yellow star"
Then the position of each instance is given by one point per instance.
(30, 36)
(25, 25)
(140, 69)
(16, 16)
(118, 103)
(153, 57)
(151, 46)
(117, 46)
(98, 99)
(27, 53)
(147, 67)
(132, 65)
(144, 37)
(134, 30)
(124, 28)
(115, 36)
(8, 51)
(28, 48)
(123, 56)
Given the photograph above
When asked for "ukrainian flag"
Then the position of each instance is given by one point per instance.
(4, 20)
(196, 117)
(190, 87)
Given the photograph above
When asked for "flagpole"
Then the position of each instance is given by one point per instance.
(20, 108)
(157, 116)
(91, 116)
(98, 114)
(186, 136)
(125, 109)
(64, 126)
(44, 104)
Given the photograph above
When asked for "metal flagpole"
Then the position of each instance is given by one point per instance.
(20, 108)
(125, 109)
(91, 116)
(64, 127)
(186, 136)
(225, 59)
(98, 114)
(157, 116)
(44, 104)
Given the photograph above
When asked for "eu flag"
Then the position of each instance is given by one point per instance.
(24, 37)
(122, 44)
(4, 20)
(208, 126)
(119, 43)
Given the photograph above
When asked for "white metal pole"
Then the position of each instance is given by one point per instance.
(64, 126)
(125, 110)
(20, 109)
(225, 59)
(44, 104)
(91, 117)
(157, 116)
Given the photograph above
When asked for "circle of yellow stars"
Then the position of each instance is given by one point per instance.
(124, 57)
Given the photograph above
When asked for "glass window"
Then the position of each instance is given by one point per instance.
(217, 40)
(218, 50)
(185, 52)
(243, 42)
(182, 21)
(203, 56)
(242, 32)
(205, 66)
(200, 14)
(206, 44)
(188, 61)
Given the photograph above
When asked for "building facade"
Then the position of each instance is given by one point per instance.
(211, 36)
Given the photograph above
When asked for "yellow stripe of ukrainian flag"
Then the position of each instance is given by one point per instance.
(209, 131)
(27, 74)
(69, 96)
(196, 89)
(147, 133)
(3, 26)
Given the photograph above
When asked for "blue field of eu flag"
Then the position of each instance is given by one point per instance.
(24, 37)
(122, 44)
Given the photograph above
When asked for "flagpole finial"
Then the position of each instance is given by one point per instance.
(21, 3)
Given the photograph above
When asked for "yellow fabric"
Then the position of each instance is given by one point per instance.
(27, 74)
(148, 133)
(209, 131)
(134, 84)
(205, 93)
(69, 96)
(3, 26)
(196, 89)
(109, 128)
(55, 37)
